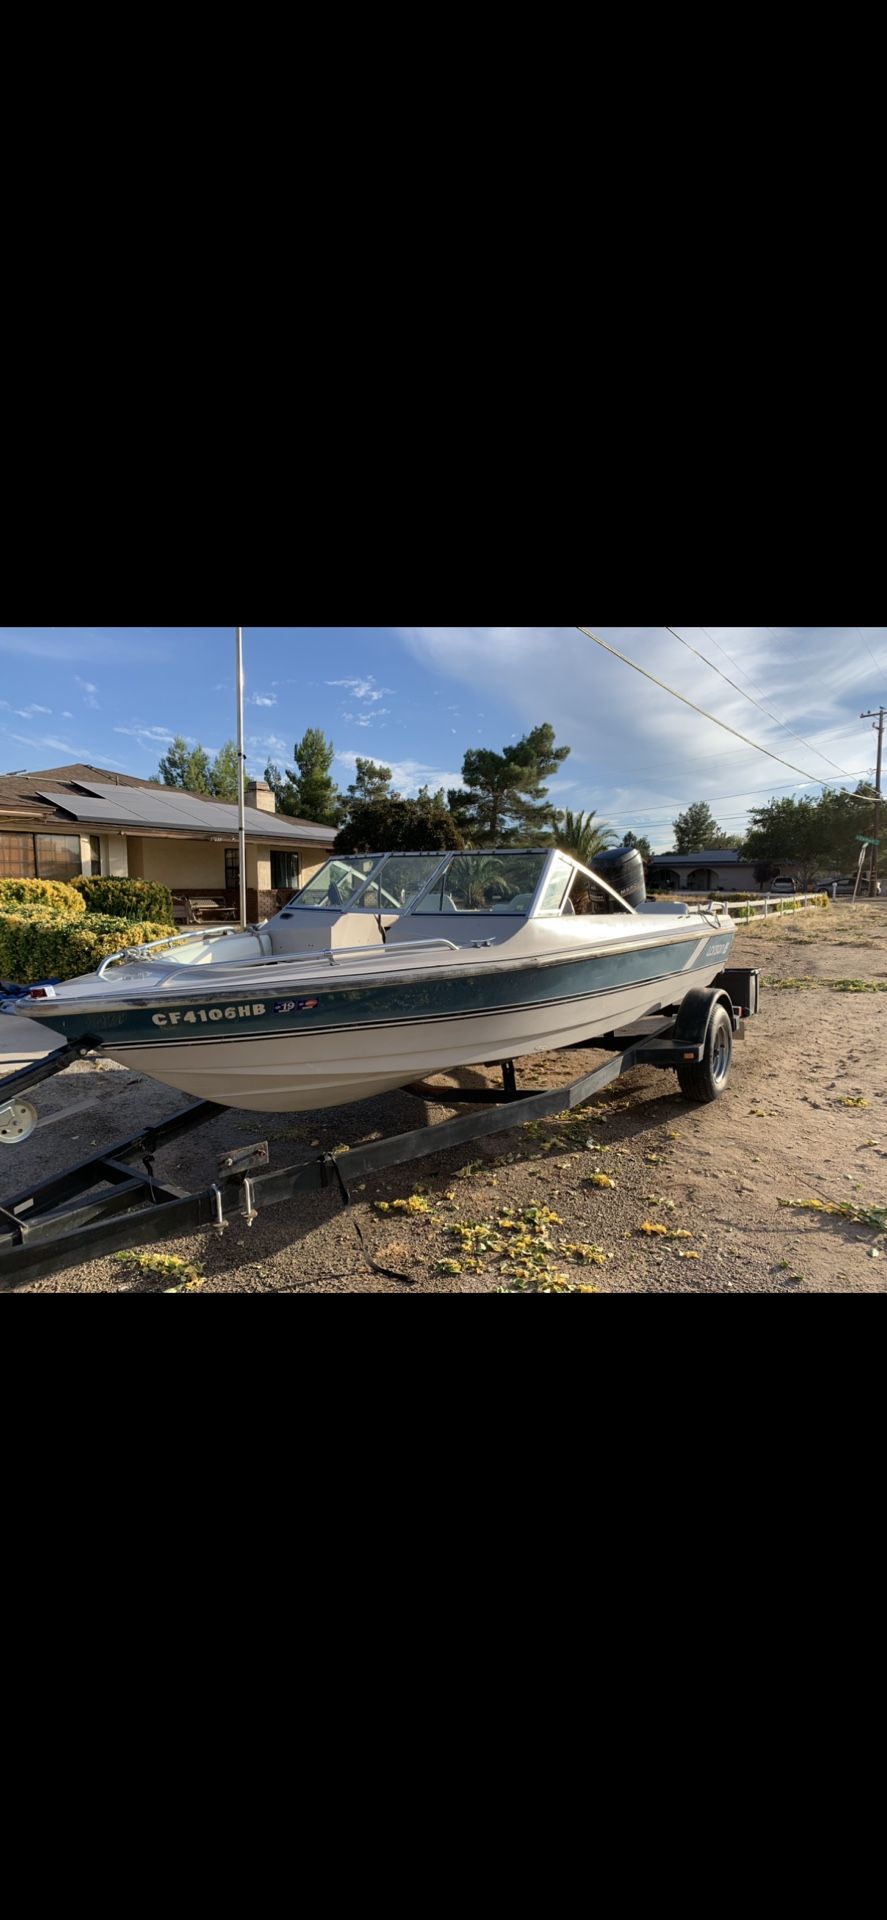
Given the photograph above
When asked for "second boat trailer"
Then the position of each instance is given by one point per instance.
(108, 1202)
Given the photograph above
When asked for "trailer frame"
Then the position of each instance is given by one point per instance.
(58, 1221)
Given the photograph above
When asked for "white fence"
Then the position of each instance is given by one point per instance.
(761, 905)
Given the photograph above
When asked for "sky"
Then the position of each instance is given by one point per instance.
(416, 697)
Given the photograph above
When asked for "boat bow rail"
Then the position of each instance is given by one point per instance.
(190, 934)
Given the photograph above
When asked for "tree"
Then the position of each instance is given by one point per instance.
(191, 769)
(808, 834)
(640, 843)
(185, 767)
(373, 782)
(697, 831)
(308, 789)
(504, 799)
(224, 773)
(583, 836)
(790, 833)
(843, 820)
(390, 824)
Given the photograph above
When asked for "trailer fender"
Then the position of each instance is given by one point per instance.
(695, 1012)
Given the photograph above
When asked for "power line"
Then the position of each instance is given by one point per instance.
(756, 703)
(869, 651)
(808, 778)
(792, 785)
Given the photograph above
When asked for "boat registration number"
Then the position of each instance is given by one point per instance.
(200, 1016)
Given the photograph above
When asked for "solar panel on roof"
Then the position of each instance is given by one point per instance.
(182, 812)
(84, 809)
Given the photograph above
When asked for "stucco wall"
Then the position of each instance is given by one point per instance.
(179, 864)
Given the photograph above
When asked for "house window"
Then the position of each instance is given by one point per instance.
(17, 856)
(58, 856)
(284, 869)
(95, 854)
(232, 868)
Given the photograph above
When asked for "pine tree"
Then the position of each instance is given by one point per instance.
(505, 799)
(308, 789)
(225, 773)
(696, 831)
(185, 767)
(372, 782)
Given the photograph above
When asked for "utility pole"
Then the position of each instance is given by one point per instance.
(876, 714)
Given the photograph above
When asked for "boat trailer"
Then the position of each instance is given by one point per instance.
(108, 1202)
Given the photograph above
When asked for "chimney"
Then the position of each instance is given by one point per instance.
(259, 794)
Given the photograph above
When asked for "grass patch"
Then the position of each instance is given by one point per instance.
(846, 1209)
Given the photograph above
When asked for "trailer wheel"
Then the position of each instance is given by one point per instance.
(707, 1079)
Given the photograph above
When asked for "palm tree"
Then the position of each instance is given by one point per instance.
(582, 836)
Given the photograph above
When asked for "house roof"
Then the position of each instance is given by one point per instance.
(714, 858)
(104, 802)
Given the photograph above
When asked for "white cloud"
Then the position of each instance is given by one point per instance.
(267, 743)
(88, 756)
(89, 690)
(155, 736)
(362, 689)
(261, 699)
(366, 719)
(27, 713)
(408, 775)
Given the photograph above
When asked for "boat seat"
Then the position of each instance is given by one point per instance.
(519, 904)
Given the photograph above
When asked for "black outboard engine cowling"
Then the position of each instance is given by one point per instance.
(623, 870)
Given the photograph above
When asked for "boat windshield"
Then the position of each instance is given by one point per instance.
(400, 881)
(371, 882)
(485, 883)
(338, 881)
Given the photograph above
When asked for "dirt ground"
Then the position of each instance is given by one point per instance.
(637, 1192)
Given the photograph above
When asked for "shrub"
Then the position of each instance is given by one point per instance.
(50, 895)
(36, 946)
(136, 900)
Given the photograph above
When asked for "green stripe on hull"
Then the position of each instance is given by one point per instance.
(430, 999)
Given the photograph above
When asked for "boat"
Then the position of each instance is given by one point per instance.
(388, 968)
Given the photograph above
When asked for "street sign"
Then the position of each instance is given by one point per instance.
(867, 840)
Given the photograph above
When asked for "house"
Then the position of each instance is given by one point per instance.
(713, 872)
(66, 821)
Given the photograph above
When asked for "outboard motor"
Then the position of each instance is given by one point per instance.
(623, 870)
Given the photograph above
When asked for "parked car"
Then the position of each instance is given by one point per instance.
(782, 884)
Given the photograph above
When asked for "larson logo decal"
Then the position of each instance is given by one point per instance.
(196, 1015)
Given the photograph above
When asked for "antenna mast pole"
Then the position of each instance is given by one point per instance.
(241, 780)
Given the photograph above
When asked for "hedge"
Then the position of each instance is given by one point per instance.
(51, 896)
(129, 899)
(36, 946)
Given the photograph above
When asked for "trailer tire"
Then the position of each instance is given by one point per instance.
(707, 1079)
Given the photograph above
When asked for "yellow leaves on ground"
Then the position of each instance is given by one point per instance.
(601, 1180)
(187, 1277)
(416, 1203)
